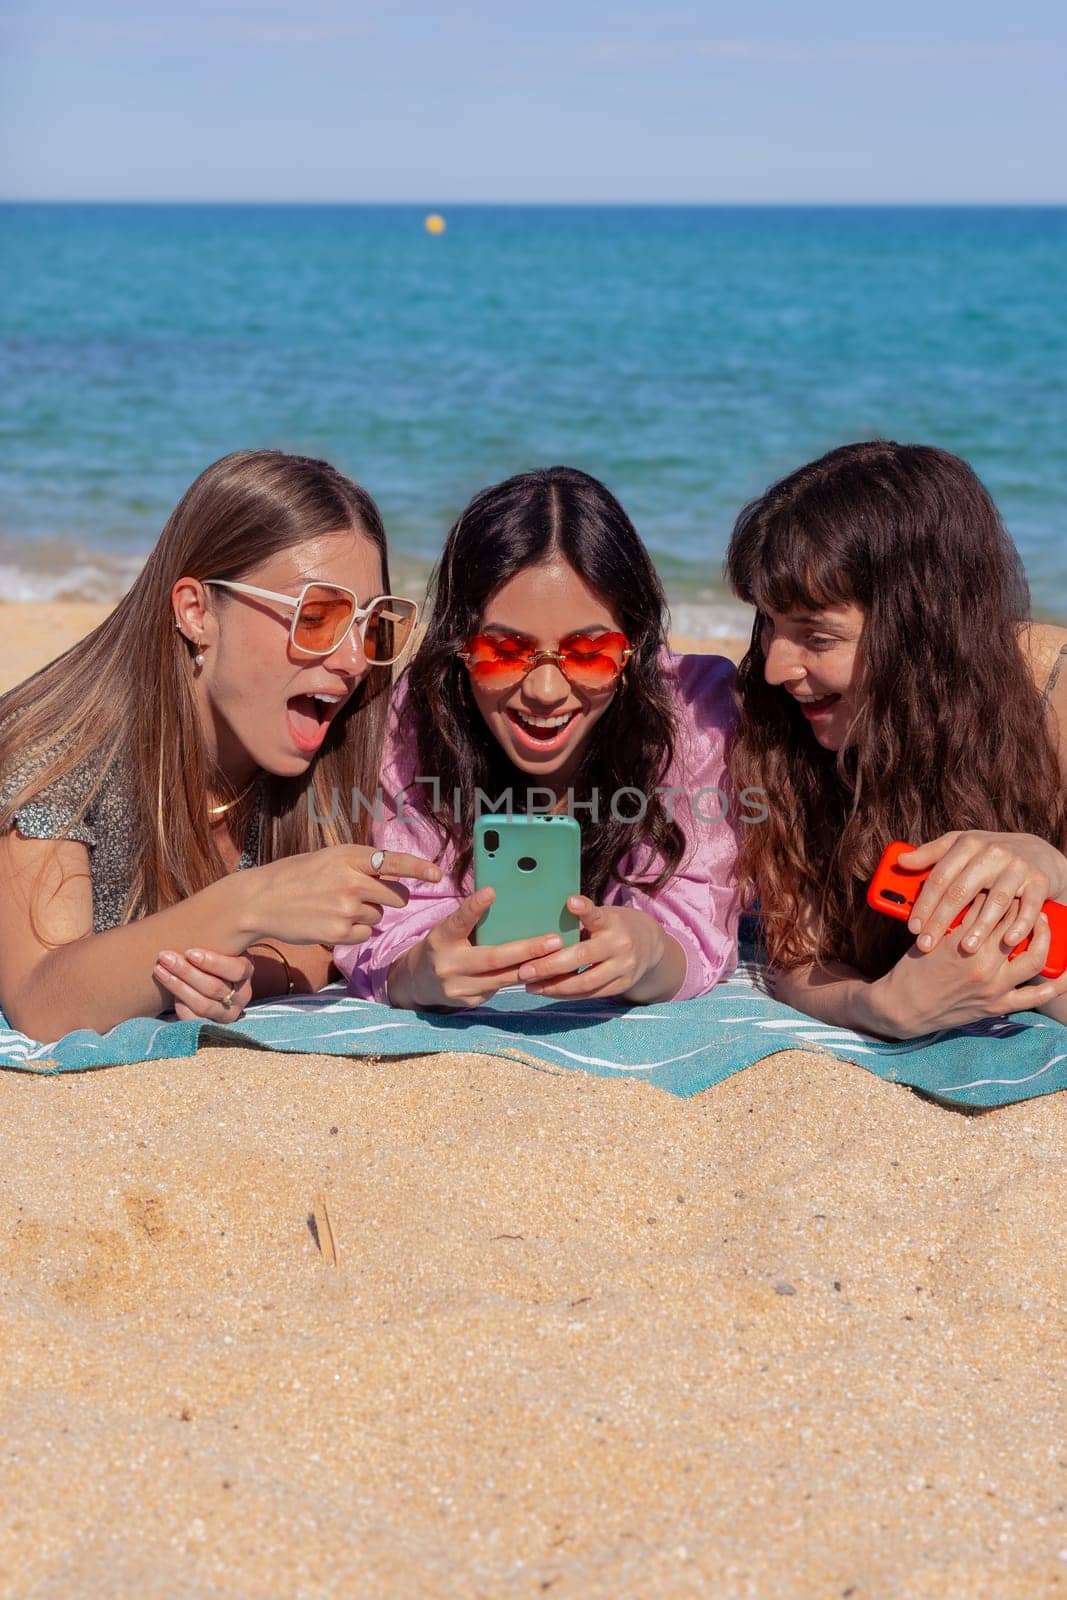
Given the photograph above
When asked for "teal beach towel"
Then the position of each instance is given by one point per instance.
(682, 1046)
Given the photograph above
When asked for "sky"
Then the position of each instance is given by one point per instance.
(534, 101)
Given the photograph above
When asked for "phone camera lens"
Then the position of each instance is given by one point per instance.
(492, 840)
(526, 864)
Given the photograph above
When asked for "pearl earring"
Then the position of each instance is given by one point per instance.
(198, 659)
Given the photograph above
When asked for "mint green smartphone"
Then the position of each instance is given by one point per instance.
(534, 864)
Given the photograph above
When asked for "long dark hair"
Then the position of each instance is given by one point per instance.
(950, 733)
(520, 523)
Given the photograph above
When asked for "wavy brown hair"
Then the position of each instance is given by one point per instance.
(120, 701)
(950, 733)
(522, 522)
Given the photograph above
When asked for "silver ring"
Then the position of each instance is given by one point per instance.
(377, 862)
(228, 999)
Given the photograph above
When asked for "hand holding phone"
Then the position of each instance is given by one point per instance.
(624, 954)
(895, 889)
(446, 970)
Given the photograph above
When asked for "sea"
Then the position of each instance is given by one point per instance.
(687, 356)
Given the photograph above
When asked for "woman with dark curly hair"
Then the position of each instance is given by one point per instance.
(545, 675)
(895, 688)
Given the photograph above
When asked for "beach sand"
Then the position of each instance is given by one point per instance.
(800, 1336)
(33, 634)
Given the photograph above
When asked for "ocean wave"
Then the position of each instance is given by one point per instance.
(101, 580)
(51, 570)
(711, 618)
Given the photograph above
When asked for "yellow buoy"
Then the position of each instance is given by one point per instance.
(435, 223)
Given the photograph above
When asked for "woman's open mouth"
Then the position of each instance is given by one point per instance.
(819, 707)
(541, 733)
(308, 717)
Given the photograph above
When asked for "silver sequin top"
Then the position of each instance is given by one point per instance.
(107, 829)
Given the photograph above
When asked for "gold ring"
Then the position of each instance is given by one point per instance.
(377, 862)
(228, 998)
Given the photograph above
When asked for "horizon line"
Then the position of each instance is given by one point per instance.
(542, 204)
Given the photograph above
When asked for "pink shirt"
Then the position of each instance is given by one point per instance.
(698, 906)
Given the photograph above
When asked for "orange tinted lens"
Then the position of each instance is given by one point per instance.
(496, 663)
(593, 663)
(388, 628)
(324, 615)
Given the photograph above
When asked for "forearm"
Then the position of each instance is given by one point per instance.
(104, 978)
(839, 995)
(662, 981)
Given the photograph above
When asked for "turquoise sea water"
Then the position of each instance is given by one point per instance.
(687, 356)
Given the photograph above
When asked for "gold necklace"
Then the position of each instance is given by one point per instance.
(228, 805)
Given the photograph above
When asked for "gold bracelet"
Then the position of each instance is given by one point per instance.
(263, 944)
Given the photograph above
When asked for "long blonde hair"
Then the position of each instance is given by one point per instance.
(120, 702)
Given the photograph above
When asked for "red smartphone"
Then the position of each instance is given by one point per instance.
(894, 891)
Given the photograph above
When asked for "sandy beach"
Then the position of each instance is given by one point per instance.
(803, 1335)
(33, 634)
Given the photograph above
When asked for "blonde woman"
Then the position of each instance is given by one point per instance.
(176, 813)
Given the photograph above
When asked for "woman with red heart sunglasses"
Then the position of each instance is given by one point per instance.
(545, 675)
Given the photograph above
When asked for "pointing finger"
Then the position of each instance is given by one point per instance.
(398, 864)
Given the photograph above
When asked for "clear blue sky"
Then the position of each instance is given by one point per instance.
(814, 100)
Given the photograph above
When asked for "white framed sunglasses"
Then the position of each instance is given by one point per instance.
(324, 614)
